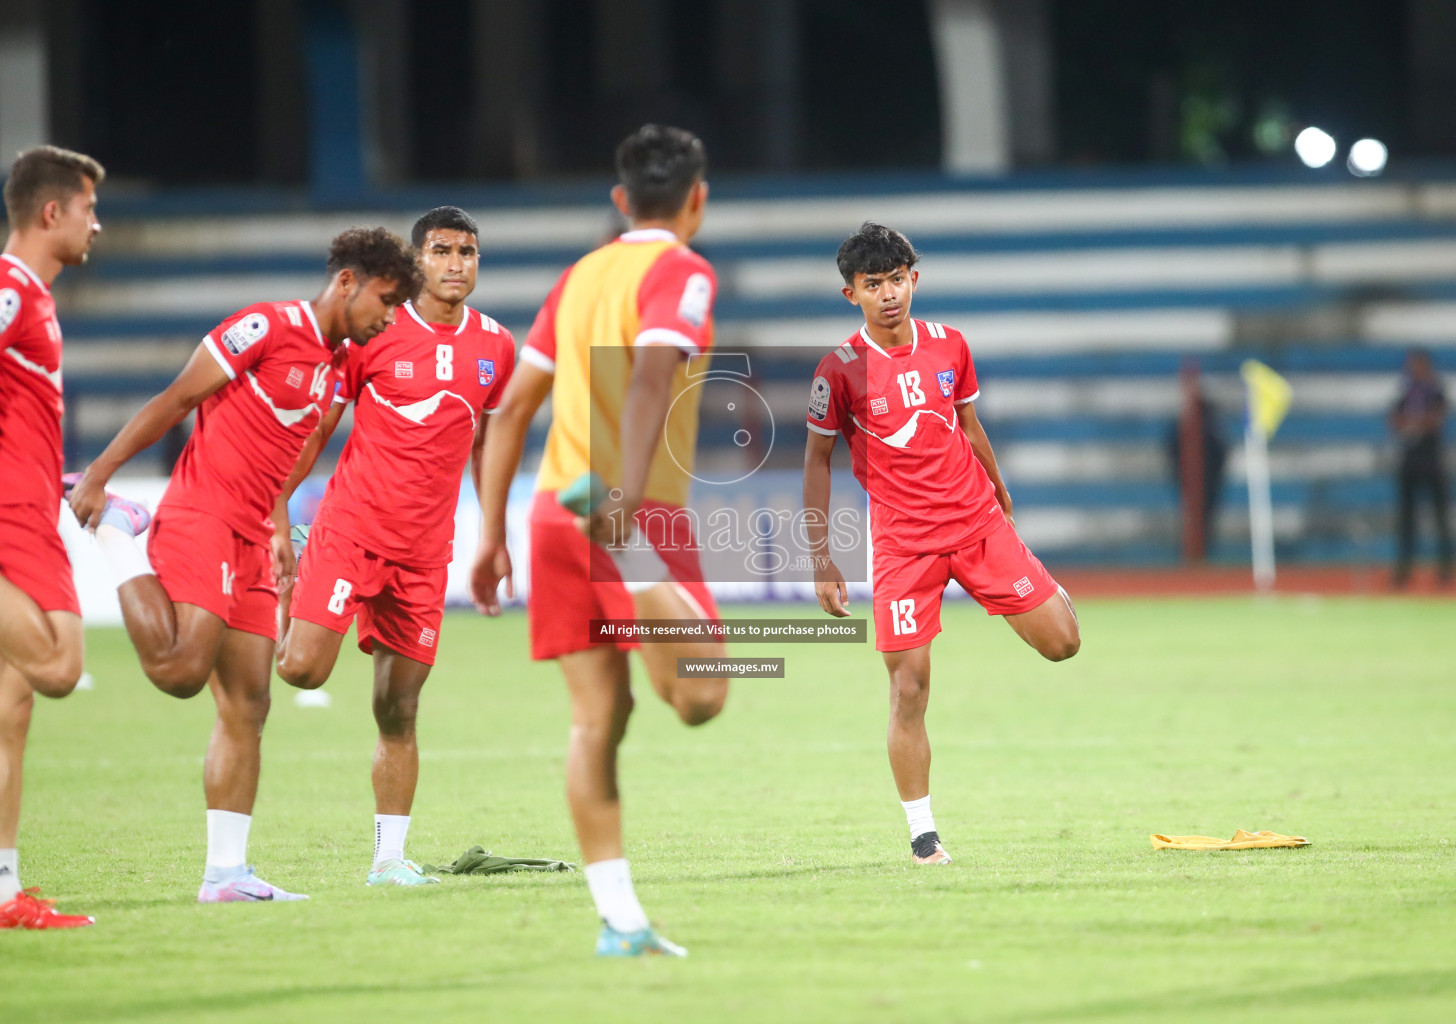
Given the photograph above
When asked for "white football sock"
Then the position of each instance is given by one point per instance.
(917, 813)
(227, 842)
(610, 882)
(9, 875)
(389, 833)
(125, 559)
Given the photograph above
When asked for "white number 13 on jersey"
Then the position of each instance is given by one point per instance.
(902, 614)
(910, 391)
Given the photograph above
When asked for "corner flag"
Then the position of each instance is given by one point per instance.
(1268, 396)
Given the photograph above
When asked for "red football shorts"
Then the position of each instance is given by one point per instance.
(572, 578)
(997, 570)
(201, 560)
(33, 557)
(340, 582)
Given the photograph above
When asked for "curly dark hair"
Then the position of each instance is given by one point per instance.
(658, 166)
(448, 218)
(874, 249)
(376, 253)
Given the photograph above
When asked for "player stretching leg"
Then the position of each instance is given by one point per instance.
(647, 299)
(50, 201)
(901, 391)
(260, 382)
(380, 546)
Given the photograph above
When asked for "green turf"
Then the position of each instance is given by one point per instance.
(771, 844)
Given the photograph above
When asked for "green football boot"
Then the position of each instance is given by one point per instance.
(399, 872)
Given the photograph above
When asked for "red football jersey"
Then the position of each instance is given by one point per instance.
(928, 492)
(250, 432)
(31, 458)
(418, 390)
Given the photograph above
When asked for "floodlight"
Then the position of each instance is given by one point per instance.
(1367, 158)
(1315, 146)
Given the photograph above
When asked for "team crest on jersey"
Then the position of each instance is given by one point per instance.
(487, 370)
(697, 299)
(404, 369)
(946, 378)
(295, 377)
(9, 308)
(246, 333)
(879, 406)
(819, 398)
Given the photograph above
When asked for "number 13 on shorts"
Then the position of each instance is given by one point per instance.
(902, 616)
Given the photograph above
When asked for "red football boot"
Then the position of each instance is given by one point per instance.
(28, 910)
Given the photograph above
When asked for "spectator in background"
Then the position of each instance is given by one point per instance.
(1213, 445)
(1417, 419)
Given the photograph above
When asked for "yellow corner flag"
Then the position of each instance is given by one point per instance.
(1269, 395)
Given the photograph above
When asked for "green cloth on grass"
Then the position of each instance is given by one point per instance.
(479, 861)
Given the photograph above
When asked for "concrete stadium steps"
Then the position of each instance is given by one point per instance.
(1080, 304)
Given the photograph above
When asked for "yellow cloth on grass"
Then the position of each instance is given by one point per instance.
(1241, 841)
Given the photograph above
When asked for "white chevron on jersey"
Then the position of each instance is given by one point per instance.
(846, 353)
(902, 437)
(936, 330)
(418, 412)
(287, 417)
(489, 324)
(54, 376)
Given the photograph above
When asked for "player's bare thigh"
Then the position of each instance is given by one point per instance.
(1051, 627)
(47, 648)
(177, 644)
(695, 700)
(57, 675)
(307, 655)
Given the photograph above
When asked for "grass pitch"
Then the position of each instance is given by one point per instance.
(771, 844)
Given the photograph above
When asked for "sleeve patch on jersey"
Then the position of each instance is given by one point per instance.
(246, 333)
(9, 308)
(946, 378)
(697, 299)
(819, 398)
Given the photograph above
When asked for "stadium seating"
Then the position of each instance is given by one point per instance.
(1082, 296)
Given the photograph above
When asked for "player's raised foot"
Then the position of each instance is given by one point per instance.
(583, 494)
(926, 849)
(399, 872)
(28, 910)
(243, 887)
(644, 943)
(130, 517)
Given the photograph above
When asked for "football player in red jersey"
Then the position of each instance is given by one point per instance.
(50, 201)
(207, 612)
(902, 393)
(380, 546)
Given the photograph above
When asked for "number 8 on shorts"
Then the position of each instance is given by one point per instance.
(342, 590)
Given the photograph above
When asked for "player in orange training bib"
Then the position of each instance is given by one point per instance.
(610, 346)
(902, 394)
